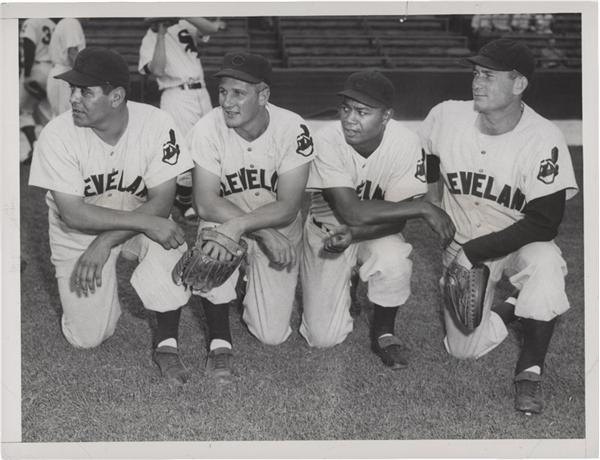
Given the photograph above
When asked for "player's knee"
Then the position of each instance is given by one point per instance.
(84, 337)
(272, 337)
(542, 255)
(323, 339)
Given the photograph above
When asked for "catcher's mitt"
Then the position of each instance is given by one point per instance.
(464, 292)
(34, 88)
(201, 272)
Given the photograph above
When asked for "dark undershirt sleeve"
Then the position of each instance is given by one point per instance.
(432, 168)
(28, 56)
(540, 223)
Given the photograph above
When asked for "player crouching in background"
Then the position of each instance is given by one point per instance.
(502, 172)
(251, 166)
(110, 167)
(364, 178)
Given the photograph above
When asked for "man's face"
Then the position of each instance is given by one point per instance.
(493, 90)
(241, 101)
(361, 123)
(90, 105)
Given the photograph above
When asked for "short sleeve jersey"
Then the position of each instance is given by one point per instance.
(489, 179)
(395, 171)
(74, 160)
(182, 56)
(39, 31)
(67, 34)
(250, 171)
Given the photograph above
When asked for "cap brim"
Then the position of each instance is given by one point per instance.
(238, 75)
(76, 78)
(486, 62)
(362, 98)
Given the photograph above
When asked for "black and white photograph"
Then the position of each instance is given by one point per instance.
(316, 230)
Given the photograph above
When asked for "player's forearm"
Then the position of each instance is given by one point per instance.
(72, 53)
(204, 26)
(272, 215)
(28, 56)
(371, 232)
(434, 193)
(151, 207)
(93, 219)
(159, 58)
(370, 212)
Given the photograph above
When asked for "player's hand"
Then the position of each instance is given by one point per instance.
(339, 239)
(87, 273)
(220, 24)
(165, 232)
(278, 248)
(439, 222)
(230, 229)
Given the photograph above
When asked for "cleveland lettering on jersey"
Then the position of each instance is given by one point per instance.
(248, 179)
(97, 184)
(482, 186)
(366, 191)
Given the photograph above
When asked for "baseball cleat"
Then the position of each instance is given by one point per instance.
(392, 351)
(170, 365)
(528, 393)
(219, 366)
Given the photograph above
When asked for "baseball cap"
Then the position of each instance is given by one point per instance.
(506, 54)
(251, 68)
(369, 87)
(96, 66)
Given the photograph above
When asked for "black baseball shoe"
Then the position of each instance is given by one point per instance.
(170, 365)
(219, 366)
(528, 393)
(392, 351)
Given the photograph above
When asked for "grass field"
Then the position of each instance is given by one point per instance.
(289, 392)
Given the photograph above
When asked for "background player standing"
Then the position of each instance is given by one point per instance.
(110, 168)
(35, 36)
(66, 42)
(169, 51)
(368, 169)
(506, 172)
(251, 166)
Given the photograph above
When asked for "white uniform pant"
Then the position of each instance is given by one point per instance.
(186, 107)
(88, 320)
(325, 277)
(27, 102)
(538, 271)
(58, 91)
(270, 292)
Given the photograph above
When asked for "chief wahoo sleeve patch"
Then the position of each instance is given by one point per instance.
(305, 142)
(549, 167)
(171, 149)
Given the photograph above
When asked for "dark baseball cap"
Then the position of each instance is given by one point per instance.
(96, 66)
(506, 55)
(251, 68)
(369, 87)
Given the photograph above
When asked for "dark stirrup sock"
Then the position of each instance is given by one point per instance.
(167, 325)
(383, 320)
(536, 339)
(217, 320)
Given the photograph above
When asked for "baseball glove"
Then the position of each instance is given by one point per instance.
(34, 88)
(464, 292)
(200, 271)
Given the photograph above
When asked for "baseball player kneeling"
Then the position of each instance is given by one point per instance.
(110, 167)
(503, 172)
(251, 166)
(367, 171)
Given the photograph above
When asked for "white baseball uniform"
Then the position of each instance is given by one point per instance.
(183, 67)
(39, 31)
(395, 171)
(488, 181)
(249, 173)
(76, 161)
(67, 34)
